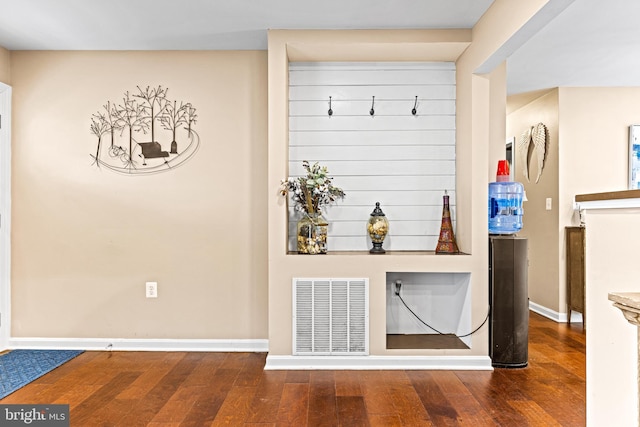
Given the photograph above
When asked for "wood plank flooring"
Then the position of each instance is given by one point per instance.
(231, 389)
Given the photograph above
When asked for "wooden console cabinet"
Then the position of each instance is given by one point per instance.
(575, 272)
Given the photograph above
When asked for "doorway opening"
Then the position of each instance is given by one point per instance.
(5, 215)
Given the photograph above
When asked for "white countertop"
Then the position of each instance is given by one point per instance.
(628, 199)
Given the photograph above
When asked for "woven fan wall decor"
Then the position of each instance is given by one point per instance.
(538, 135)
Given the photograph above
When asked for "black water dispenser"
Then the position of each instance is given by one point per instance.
(509, 301)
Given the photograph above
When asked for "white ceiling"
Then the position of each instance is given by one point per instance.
(210, 24)
(590, 43)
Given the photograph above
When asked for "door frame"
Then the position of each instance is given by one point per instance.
(5, 216)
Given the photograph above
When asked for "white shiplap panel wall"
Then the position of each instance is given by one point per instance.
(401, 160)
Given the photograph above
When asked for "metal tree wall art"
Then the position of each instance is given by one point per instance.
(137, 145)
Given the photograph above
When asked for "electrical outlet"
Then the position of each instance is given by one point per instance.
(548, 203)
(152, 289)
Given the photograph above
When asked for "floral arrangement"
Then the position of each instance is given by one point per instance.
(313, 191)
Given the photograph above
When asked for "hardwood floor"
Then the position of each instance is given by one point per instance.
(202, 389)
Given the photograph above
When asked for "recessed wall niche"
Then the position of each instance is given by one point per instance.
(441, 300)
(386, 132)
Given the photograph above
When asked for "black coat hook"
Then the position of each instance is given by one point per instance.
(372, 111)
(414, 111)
(330, 112)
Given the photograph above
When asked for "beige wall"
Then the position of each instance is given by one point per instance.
(540, 226)
(497, 149)
(595, 141)
(85, 240)
(594, 149)
(588, 129)
(5, 69)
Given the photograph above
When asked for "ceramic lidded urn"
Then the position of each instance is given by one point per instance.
(378, 227)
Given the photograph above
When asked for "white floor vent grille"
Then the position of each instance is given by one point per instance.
(331, 316)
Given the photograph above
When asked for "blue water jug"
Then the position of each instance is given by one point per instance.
(505, 207)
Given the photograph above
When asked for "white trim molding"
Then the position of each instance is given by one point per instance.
(554, 315)
(547, 312)
(5, 215)
(463, 363)
(123, 344)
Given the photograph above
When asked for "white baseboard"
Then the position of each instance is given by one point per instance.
(554, 315)
(462, 363)
(276, 362)
(120, 344)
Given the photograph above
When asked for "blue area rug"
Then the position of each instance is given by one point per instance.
(19, 367)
